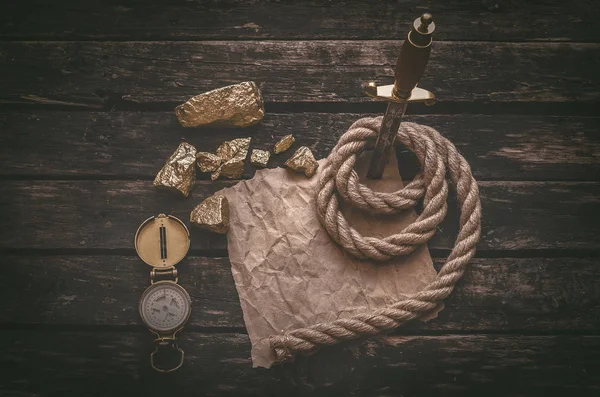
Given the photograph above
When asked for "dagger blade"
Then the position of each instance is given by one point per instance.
(387, 136)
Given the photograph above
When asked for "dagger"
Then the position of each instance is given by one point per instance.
(410, 66)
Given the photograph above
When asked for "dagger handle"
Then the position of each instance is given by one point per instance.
(413, 57)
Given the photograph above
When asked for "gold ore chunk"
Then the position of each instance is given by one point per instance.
(180, 170)
(232, 153)
(303, 161)
(259, 158)
(233, 169)
(236, 147)
(284, 144)
(238, 105)
(212, 214)
(208, 162)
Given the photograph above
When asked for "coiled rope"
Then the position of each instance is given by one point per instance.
(437, 157)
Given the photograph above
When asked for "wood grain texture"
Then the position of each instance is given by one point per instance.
(116, 363)
(491, 20)
(106, 214)
(135, 145)
(112, 74)
(496, 294)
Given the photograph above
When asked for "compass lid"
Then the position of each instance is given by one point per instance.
(162, 241)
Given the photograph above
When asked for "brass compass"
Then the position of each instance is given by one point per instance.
(163, 241)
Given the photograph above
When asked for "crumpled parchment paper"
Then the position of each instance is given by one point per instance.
(290, 274)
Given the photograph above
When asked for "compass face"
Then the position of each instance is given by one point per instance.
(165, 306)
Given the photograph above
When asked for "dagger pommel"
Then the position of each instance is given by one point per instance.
(413, 57)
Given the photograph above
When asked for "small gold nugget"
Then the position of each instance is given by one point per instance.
(208, 162)
(233, 169)
(259, 158)
(180, 170)
(238, 105)
(212, 214)
(232, 153)
(284, 144)
(303, 161)
(233, 148)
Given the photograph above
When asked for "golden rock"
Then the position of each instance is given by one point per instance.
(234, 148)
(232, 153)
(303, 161)
(208, 162)
(260, 158)
(212, 214)
(238, 105)
(284, 144)
(180, 170)
(233, 169)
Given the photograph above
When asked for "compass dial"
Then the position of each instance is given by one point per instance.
(165, 306)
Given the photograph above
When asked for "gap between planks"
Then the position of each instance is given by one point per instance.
(113, 104)
(397, 332)
(544, 253)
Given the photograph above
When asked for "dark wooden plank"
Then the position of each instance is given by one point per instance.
(99, 290)
(108, 74)
(135, 145)
(506, 294)
(106, 214)
(185, 20)
(116, 363)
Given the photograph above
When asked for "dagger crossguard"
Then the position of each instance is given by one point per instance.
(385, 92)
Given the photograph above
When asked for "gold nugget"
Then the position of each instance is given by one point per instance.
(208, 162)
(232, 153)
(259, 158)
(212, 214)
(303, 161)
(233, 169)
(284, 144)
(238, 105)
(233, 148)
(180, 170)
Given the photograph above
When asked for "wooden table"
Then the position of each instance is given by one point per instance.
(87, 93)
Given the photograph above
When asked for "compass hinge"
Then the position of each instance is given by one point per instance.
(169, 274)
